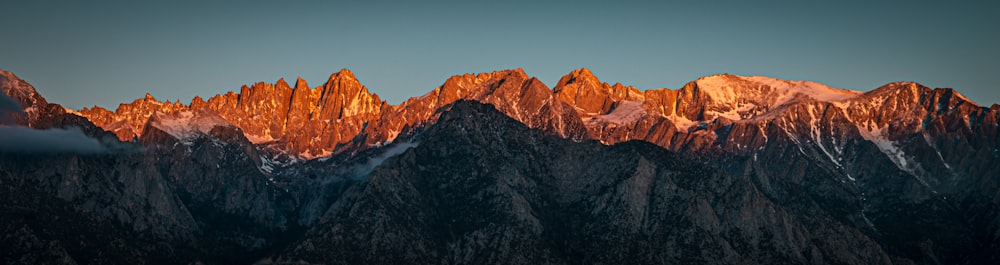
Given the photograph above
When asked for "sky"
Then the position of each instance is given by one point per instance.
(80, 54)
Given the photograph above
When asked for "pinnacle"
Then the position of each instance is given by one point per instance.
(513, 72)
(581, 75)
(899, 86)
(301, 83)
(582, 72)
(281, 83)
(344, 73)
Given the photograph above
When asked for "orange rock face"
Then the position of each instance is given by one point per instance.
(720, 112)
(342, 115)
(128, 121)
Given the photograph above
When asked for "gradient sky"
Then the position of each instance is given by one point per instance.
(79, 54)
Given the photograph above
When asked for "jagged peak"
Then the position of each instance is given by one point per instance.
(516, 71)
(344, 73)
(581, 75)
(149, 97)
(954, 94)
(341, 78)
(19, 90)
(502, 74)
(901, 88)
(281, 83)
(301, 83)
(93, 108)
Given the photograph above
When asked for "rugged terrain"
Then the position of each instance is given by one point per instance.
(498, 168)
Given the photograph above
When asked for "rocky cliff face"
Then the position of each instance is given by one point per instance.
(304, 122)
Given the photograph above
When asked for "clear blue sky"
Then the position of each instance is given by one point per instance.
(79, 54)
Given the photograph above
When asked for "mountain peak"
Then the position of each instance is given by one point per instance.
(516, 72)
(301, 83)
(582, 75)
(343, 77)
(910, 90)
(582, 72)
(281, 83)
(344, 73)
(723, 77)
(149, 97)
(20, 91)
(583, 90)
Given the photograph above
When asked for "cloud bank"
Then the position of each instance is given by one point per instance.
(27, 140)
(20, 139)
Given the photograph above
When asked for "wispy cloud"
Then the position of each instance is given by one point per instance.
(362, 171)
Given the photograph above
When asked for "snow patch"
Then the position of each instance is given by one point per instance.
(323, 153)
(745, 97)
(268, 165)
(891, 149)
(626, 112)
(680, 122)
(817, 91)
(187, 125)
(259, 139)
(817, 135)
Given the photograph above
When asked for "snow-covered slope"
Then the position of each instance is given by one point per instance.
(187, 125)
(739, 97)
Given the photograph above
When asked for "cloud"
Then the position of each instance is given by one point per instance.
(362, 171)
(27, 140)
(21, 139)
(8, 105)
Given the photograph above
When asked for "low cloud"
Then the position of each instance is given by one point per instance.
(7, 107)
(21, 139)
(28, 140)
(8, 104)
(362, 171)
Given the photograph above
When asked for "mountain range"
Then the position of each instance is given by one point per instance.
(497, 168)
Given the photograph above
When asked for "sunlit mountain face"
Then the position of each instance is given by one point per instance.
(499, 168)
